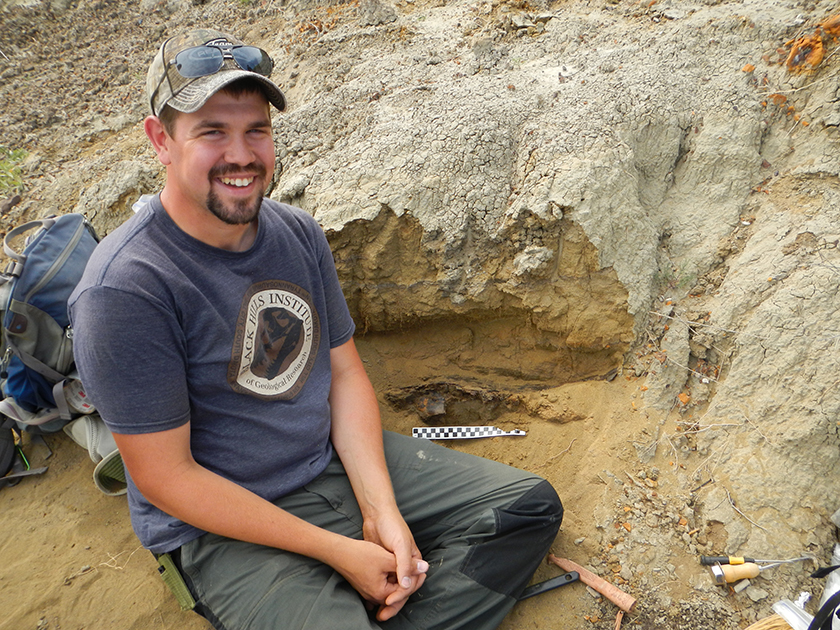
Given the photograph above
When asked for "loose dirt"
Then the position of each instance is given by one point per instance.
(587, 372)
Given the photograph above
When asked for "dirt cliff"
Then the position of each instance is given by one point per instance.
(613, 224)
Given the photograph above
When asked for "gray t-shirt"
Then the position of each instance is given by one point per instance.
(168, 329)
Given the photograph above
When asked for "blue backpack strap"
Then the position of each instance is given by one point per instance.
(17, 259)
(34, 364)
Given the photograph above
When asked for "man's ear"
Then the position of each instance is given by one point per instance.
(158, 137)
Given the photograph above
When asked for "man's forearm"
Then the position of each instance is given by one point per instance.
(164, 471)
(357, 432)
(212, 503)
(357, 436)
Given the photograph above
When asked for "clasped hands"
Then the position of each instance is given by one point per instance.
(386, 567)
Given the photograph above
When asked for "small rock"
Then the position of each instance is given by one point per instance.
(593, 592)
(521, 21)
(376, 13)
(756, 594)
(9, 203)
(430, 405)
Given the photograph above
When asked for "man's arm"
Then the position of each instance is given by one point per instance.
(163, 469)
(357, 437)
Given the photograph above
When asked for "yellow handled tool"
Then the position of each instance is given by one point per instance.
(728, 573)
(710, 560)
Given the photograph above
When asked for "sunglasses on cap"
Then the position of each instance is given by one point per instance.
(200, 61)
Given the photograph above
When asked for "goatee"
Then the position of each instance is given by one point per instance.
(240, 212)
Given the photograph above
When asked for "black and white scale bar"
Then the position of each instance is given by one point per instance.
(460, 433)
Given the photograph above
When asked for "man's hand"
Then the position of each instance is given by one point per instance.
(357, 437)
(392, 534)
(370, 570)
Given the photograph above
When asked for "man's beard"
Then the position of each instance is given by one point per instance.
(243, 211)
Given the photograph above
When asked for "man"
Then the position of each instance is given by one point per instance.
(213, 337)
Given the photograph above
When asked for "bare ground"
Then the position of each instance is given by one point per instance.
(70, 559)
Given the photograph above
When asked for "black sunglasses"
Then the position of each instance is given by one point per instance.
(200, 61)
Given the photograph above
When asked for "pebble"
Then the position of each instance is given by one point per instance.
(756, 594)
(740, 586)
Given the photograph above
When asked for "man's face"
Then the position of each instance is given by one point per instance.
(221, 157)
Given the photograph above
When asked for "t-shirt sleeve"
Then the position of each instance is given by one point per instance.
(130, 355)
(340, 321)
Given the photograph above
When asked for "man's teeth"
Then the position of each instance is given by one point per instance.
(240, 182)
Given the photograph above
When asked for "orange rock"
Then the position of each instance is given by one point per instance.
(806, 53)
(831, 25)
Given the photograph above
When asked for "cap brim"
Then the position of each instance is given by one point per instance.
(193, 96)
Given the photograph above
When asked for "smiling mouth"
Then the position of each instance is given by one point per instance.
(239, 182)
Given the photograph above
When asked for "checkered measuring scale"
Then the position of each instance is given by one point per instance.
(461, 433)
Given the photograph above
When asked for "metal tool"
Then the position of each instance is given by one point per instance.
(711, 560)
(728, 573)
(542, 587)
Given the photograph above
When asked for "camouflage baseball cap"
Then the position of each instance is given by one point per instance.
(166, 85)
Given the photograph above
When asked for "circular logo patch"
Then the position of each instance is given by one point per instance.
(277, 338)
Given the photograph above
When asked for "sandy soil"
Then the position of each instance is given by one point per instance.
(69, 559)
(73, 561)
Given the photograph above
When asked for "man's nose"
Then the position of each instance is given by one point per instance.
(239, 151)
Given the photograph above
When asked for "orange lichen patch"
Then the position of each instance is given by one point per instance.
(806, 53)
(684, 398)
(778, 99)
(683, 521)
(748, 68)
(831, 25)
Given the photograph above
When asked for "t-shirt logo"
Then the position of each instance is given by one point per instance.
(277, 339)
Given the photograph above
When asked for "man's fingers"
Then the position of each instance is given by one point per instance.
(389, 610)
(420, 568)
(414, 567)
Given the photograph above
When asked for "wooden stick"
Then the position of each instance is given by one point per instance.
(613, 593)
(618, 619)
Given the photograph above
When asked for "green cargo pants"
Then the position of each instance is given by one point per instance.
(482, 526)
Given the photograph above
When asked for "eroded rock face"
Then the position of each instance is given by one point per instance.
(568, 177)
(548, 308)
(533, 195)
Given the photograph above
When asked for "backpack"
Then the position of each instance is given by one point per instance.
(39, 384)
